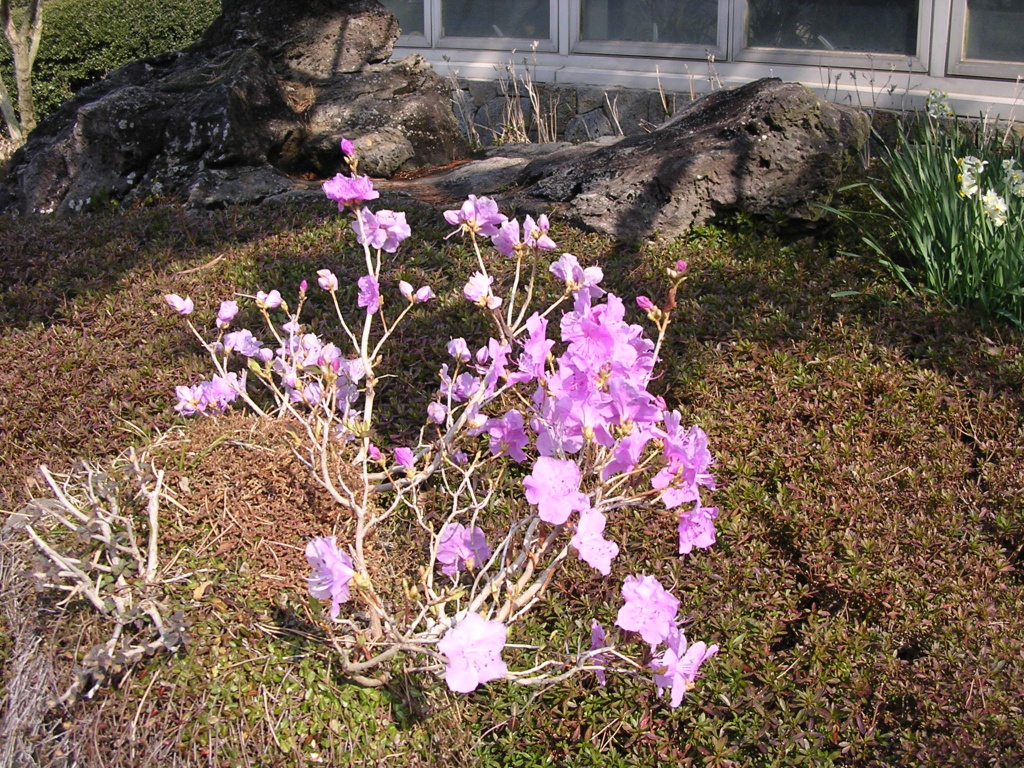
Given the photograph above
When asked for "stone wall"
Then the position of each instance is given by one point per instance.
(488, 111)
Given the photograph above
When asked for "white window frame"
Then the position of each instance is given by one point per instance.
(420, 41)
(958, 64)
(896, 62)
(517, 44)
(647, 49)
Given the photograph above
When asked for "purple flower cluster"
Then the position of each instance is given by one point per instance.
(584, 418)
(306, 367)
(534, 236)
(210, 397)
(652, 611)
(332, 571)
(473, 648)
(594, 393)
(459, 548)
(478, 216)
(383, 230)
(350, 191)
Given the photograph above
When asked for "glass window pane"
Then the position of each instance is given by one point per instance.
(409, 13)
(692, 22)
(869, 26)
(526, 19)
(995, 30)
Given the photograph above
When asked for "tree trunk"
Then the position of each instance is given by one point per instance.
(23, 41)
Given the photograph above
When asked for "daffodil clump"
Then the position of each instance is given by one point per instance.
(952, 200)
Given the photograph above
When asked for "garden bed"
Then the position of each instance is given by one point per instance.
(865, 589)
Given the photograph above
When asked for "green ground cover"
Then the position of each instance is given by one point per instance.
(865, 588)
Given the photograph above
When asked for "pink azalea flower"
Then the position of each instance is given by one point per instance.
(595, 550)
(350, 191)
(649, 609)
(226, 313)
(178, 304)
(473, 647)
(576, 278)
(418, 296)
(507, 240)
(458, 349)
(677, 667)
(332, 571)
(190, 400)
(508, 436)
(405, 458)
(478, 291)
(535, 350)
(535, 233)
(437, 413)
(221, 391)
(644, 303)
(554, 487)
(697, 529)
(477, 215)
(347, 148)
(327, 280)
(384, 229)
(459, 548)
(626, 453)
(270, 300)
(369, 294)
(689, 460)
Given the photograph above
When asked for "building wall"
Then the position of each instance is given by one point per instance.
(869, 53)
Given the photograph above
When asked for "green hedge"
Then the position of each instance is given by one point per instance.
(83, 40)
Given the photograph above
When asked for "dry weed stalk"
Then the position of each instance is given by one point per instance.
(516, 126)
(462, 105)
(613, 112)
(88, 545)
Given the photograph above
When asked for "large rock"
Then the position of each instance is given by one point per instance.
(312, 39)
(766, 148)
(401, 111)
(254, 107)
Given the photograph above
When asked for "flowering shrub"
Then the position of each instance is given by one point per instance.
(953, 194)
(572, 408)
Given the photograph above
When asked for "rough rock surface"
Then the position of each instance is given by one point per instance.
(256, 106)
(399, 114)
(766, 148)
(310, 39)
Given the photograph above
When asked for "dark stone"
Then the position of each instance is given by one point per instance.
(766, 148)
(266, 94)
(311, 39)
(588, 126)
(406, 97)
